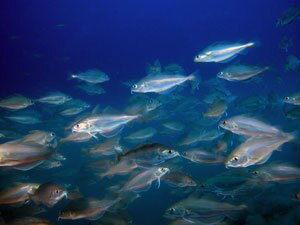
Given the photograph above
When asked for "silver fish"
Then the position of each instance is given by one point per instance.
(221, 52)
(54, 98)
(163, 83)
(248, 126)
(93, 76)
(241, 72)
(15, 102)
(143, 180)
(107, 125)
(293, 99)
(256, 150)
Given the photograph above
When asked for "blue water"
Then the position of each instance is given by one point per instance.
(43, 42)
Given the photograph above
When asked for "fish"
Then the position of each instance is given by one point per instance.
(292, 63)
(141, 104)
(109, 146)
(288, 16)
(40, 137)
(142, 181)
(221, 52)
(87, 208)
(204, 208)
(163, 83)
(248, 126)
(256, 150)
(200, 135)
(48, 194)
(73, 107)
(18, 193)
(23, 155)
(179, 179)
(241, 72)
(107, 125)
(141, 134)
(54, 98)
(120, 168)
(202, 156)
(280, 172)
(293, 99)
(216, 109)
(92, 89)
(15, 102)
(149, 154)
(30, 221)
(92, 76)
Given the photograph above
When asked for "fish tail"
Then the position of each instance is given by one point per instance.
(195, 80)
(72, 76)
(249, 44)
(294, 136)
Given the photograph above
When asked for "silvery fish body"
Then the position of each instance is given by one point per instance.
(221, 52)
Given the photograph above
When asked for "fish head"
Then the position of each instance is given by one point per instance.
(50, 193)
(66, 214)
(58, 193)
(152, 104)
(223, 75)
(51, 139)
(236, 160)
(190, 182)
(161, 171)
(228, 124)
(81, 126)
(289, 99)
(175, 212)
(203, 57)
(138, 87)
(168, 153)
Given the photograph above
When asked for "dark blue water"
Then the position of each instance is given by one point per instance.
(43, 42)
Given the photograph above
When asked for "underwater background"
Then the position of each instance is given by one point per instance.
(44, 42)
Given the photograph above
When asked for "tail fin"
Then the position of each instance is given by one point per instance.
(195, 80)
(73, 76)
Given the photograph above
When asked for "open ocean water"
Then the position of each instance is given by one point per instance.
(149, 112)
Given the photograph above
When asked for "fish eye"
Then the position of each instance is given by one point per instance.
(287, 98)
(77, 126)
(172, 209)
(162, 169)
(134, 86)
(52, 134)
(255, 172)
(56, 191)
(224, 122)
(170, 151)
(235, 158)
